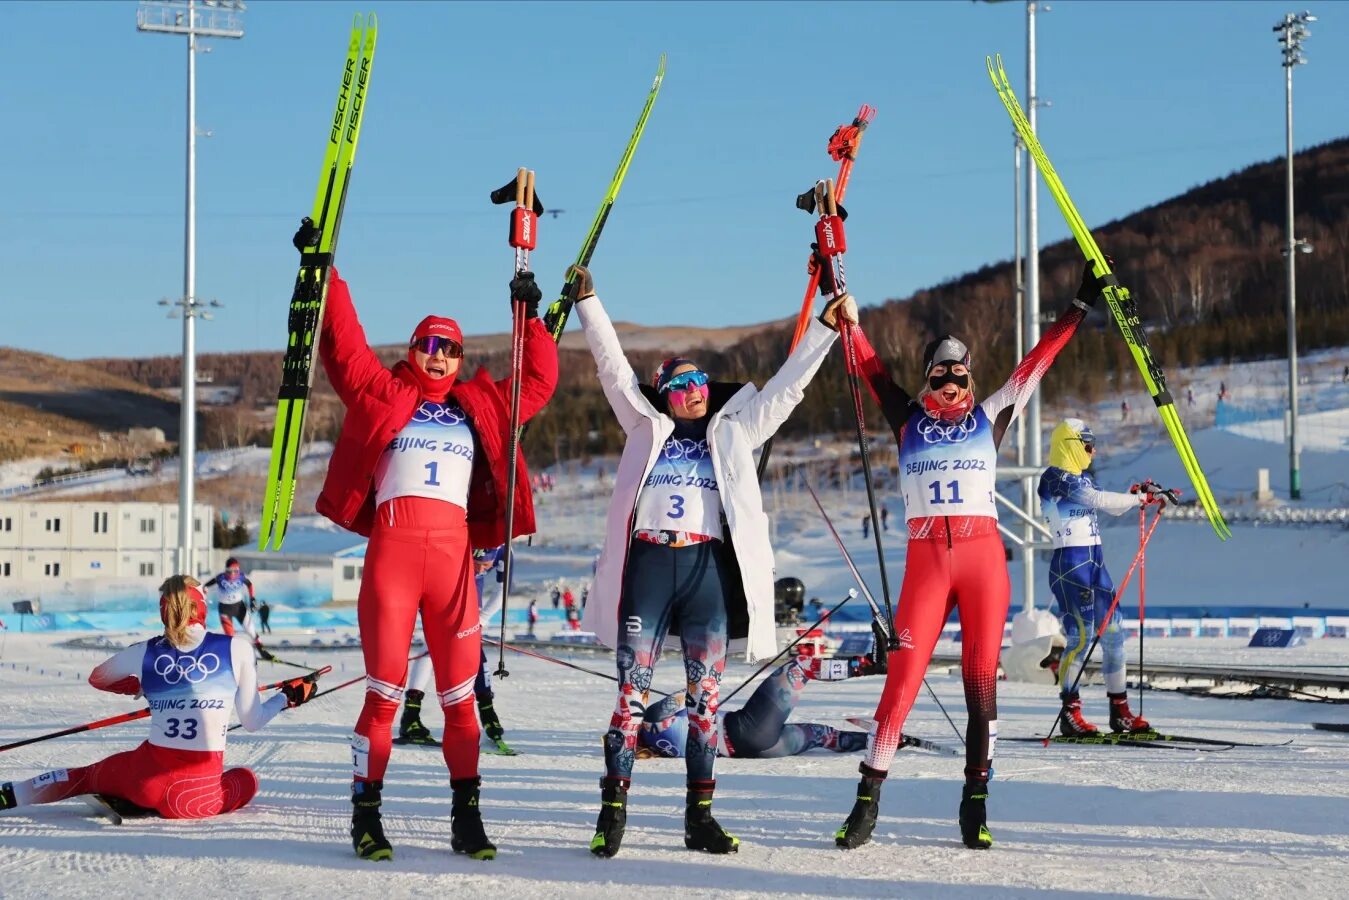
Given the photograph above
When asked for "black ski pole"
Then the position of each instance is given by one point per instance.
(852, 595)
(884, 637)
(561, 662)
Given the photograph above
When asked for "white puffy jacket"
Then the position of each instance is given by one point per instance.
(743, 423)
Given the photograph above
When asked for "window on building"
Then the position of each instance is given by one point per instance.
(52, 569)
(147, 526)
(147, 568)
(6, 524)
(4, 570)
(349, 573)
(53, 524)
(100, 523)
(196, 525)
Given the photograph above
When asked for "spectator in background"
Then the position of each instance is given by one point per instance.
(866, 527)
(1124, 411)
(1189, 396)
(885, 518)
(264, 613)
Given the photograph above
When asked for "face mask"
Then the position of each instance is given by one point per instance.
(937, 382)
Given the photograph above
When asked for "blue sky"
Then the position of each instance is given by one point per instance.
(1149, 99)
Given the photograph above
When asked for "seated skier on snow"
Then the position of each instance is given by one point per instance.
(193, 680)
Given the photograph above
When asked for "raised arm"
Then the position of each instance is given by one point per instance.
(351, 365)
(120, 674)
(1080, 489)
(771, 406)
(619, 381)
(253, 713)
(893, 400)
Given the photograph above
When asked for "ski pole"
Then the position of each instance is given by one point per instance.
(884, 636)
(1105, 622)
(843, 145)
(1142, 617)
(114, 720)
(523, 237)
(560, 662)
(833, 244)
(852, 595)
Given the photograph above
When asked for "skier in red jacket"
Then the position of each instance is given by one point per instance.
(420, 467)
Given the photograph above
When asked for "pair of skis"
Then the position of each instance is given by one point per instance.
(311, 283)
(1122, 305)
(1152, 739)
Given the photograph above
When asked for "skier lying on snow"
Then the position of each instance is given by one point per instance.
(193, 681)
(759, 729)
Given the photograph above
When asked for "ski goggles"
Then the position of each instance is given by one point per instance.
(433, 342)
(686, 381)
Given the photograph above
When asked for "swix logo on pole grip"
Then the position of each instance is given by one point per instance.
(524, 228)
(829, 235)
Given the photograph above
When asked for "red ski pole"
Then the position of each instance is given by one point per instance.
(1142, 616)
(119, 719)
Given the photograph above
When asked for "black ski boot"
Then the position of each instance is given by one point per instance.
(367, 833)
(974, 817)
(125, 808)
(466, 832)
(856, 831)
(491, 725)
(701, 831)
(410, 728)
(7, 798)
(613, 817)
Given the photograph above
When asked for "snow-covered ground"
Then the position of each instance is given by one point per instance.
(1068, 822)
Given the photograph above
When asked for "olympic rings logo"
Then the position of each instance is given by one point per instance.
(934, 431)
(194, 669)
(438, 414)
(680, 448)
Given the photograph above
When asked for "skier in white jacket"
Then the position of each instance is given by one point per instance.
(686, 546)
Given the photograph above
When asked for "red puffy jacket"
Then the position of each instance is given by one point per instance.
(380, 402)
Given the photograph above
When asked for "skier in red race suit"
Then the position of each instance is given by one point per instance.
(420, 468)
(948, 454)
(192, 680)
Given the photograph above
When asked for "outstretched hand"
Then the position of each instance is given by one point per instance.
(524, 290)
(307, 235)
(1089, 291)
(1151, 492)
(841, 307)
(583, 284)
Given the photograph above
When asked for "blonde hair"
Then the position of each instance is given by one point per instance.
(176, 606)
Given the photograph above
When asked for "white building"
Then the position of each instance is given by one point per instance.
(46, 544)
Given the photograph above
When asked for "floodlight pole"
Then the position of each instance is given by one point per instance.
(219, 18)
(1292, 31)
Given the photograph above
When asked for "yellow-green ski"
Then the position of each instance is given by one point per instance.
(1122, 305)
(311, 283)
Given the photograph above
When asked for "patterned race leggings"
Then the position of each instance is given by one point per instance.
(663, 587)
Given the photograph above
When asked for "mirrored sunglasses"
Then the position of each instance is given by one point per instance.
(431, 343)
(685, 381)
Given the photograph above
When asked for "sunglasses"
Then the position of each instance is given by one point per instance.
(431, 343)
(685, 381)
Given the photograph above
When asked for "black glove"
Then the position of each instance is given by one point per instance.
(263, 651)
(820, 263)
(1089, 291)
(524, 290)
(299, 690)
(306, 235)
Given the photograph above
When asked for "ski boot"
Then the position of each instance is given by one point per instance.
(410, 727)
(701, 831)
(1122, 719)
(7, 798)
(856, 831)
(1071, 723)
(613, 817)
(367, 833)
(125, 808)
(466, 832)
(974, 817)
(491, 725)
